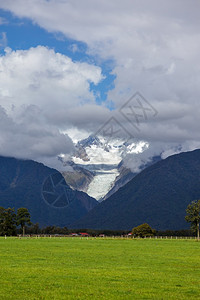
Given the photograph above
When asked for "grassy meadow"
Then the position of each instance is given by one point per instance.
(75, 268)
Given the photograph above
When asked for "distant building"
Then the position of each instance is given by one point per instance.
(84, 234)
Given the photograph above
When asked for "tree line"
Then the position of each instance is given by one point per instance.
(192, 216)
(11, 221)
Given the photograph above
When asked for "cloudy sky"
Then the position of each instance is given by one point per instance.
(67, 66)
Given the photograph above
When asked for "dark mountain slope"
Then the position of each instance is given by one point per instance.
(158, 195)
(126, 175)
(25, 183)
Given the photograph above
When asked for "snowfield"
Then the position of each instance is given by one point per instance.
(102, 183)
(103, 159)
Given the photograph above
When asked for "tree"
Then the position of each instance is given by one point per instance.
(1, 216)
(193, 215)
(143, 230)
(7, 221)
(23, 218)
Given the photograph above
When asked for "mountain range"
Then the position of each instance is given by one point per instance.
(159, 196)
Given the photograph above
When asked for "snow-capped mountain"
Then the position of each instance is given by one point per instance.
(104, 160)
(98, 150)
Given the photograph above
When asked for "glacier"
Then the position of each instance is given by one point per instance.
(102, 183)
(103, 159)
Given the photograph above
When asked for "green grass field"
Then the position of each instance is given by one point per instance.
(74, 268)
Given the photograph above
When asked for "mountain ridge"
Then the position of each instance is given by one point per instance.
(26, 183)
(158, 195)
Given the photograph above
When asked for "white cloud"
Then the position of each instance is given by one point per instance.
(31, 137)
(74, 48)
(40, 91)
(42, 77)
(155, 47)
(49, 80)
(3, 37)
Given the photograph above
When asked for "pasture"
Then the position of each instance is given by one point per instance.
(81, 268)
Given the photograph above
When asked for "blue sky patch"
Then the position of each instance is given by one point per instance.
(22, 34)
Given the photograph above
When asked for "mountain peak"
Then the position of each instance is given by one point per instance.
(91, 140)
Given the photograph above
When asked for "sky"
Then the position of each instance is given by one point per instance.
(68, 67)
